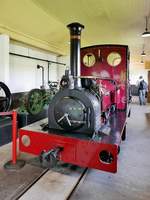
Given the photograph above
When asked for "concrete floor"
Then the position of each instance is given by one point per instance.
(12, 183)
(132, 181)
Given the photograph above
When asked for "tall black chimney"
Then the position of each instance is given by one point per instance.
(75, 33)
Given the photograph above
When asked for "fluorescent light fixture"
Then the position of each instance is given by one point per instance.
(143, 53)
(142, 62)
(146, 33)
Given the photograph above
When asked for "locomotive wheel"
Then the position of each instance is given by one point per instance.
(35, 101)
(5, 98)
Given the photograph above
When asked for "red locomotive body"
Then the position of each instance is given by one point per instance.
(110, 64)
(86, 120)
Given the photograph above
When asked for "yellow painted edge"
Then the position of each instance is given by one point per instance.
(19, 36)
(147, 64)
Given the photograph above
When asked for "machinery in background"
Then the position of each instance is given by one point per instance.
(87, 116)
(34, 101)
(33, 105)
(5, 97)
(5, 121)
(38, 98)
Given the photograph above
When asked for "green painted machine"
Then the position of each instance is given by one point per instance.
(38, 98)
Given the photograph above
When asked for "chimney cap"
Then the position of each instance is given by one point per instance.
(75, 28)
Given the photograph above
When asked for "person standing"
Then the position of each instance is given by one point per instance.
(142, 89)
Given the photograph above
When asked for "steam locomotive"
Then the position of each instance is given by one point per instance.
(87, 116)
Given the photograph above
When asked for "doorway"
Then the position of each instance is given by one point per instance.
(148, 94)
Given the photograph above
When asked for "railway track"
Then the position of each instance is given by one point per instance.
(55, 184)
(34, 182)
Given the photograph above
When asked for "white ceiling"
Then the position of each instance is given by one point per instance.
(106, 22)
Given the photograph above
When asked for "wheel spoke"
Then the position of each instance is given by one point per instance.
(5, 98)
